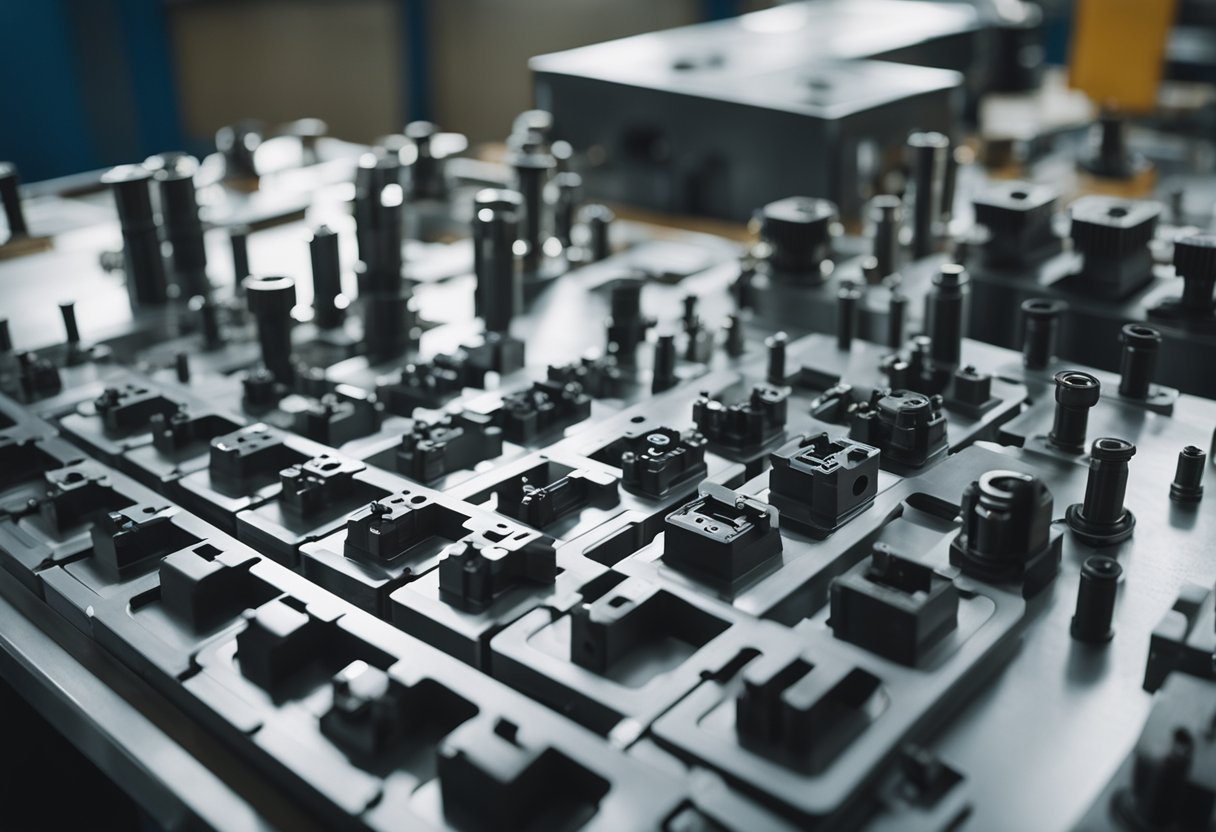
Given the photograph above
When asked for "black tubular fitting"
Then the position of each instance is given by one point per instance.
(776, 357)
(238, 239)
(886, 214)
(1091, 622)
(1101, 518)
(270, 300)
(183, 228)
(598, 219)
(897, 313)
(1076, 393)
(495, 229)
(945, 311)
(847, 298)
(1139, 360)
(1187, 486)
(10, 196)
(1195, 262)
(6, 337)
(1040, 331)
(664, 377)
(145, 267)
(326, 278)
(929, 152)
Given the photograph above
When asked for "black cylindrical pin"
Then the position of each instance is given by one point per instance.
(427, 179)
(929, 151)
(532, 171)
(238, 238)
(6, 337)
(945, 311)
(776, 357)
(498, 284)
(145, 267)
(1040, 331)
(848, 296)
(897, 314)
(326, 278)
(208, 321)
(734, 336)
(183, 228)
(271, 299)
(664, 377)
(1076, 393)
(568, 193)
(10, 196)
(68, 311)
(1091, 621)
(887, 218)
(1139, 360)
(181, 365)
(598, 219)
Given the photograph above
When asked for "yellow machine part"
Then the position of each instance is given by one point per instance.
(1118, 49)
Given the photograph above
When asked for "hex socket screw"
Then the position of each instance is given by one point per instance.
(1076, 393)
(1139, 360)
(1101, 518)
(1091, 620)
(1187, 486)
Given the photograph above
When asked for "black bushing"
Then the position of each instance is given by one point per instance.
(1091, 621)
(1138, 362)
(1187, 486)
(1101, 518)
(798, 232)
(1076, 393)
(1041, 330)
(1006, 534)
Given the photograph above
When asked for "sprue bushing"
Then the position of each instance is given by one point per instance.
(1101, 519)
